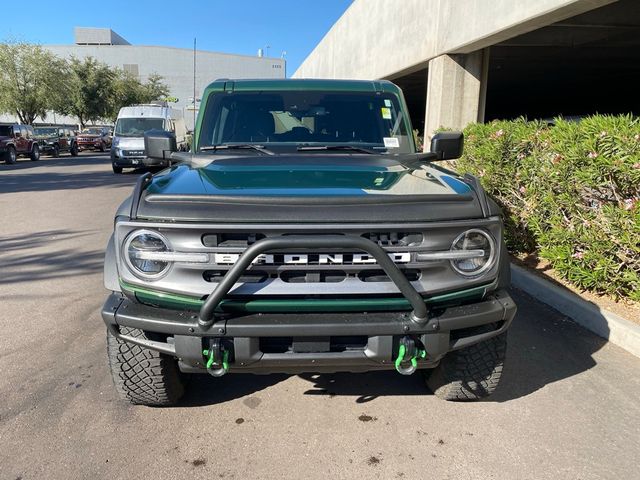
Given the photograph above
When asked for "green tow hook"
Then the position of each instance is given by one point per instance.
(210, 355)
(412, 358)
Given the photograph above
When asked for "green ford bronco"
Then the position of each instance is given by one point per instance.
(304, 233)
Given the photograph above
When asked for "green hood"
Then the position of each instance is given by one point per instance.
(305, 175)
(305, 188)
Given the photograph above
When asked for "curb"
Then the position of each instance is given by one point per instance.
(603, 323)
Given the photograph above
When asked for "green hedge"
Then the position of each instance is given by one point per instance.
(570, 193)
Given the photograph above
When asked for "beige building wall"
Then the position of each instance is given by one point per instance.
(377, 39)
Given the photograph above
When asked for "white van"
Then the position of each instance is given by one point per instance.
(127, 149)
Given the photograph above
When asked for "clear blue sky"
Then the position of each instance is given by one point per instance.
(236, 26)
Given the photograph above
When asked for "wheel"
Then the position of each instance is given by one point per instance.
(471, 373)
(102, 147)
(10, 156)
(142, 376)
(56, 151)
(35, 153)
(116, 169)
(74, 150)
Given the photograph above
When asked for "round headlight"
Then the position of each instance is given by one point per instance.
(137, 248)
(482, 245)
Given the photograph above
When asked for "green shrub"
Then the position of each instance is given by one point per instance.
(570, 193)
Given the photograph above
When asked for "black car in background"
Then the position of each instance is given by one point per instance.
(54, 140)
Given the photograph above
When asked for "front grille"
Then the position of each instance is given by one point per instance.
(241, 240)
(379, 275)
(215, 276)
(133, 153)
(303, 266)
(308, 273)
(389, 239)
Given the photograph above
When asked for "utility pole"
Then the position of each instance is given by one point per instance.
(194, 94)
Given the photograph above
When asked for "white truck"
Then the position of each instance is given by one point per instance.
(127, 148)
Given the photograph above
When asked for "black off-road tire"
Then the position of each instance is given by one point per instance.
(102, 147)
(74, 150)
(471, 373)
(56, 151)
(116, 169)
(35, 153)
(10, 156)
(143, 376)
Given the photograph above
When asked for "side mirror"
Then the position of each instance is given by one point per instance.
(159, 144)
(447, 145)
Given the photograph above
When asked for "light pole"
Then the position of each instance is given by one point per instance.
(283, 56)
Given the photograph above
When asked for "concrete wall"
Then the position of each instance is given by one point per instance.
(387, 38)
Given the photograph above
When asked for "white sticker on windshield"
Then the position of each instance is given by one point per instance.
(386, 113)
(391, 142)
(387, 102)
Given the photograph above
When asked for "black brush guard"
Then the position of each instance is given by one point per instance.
(419, 315)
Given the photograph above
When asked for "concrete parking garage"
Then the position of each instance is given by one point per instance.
(471, 60)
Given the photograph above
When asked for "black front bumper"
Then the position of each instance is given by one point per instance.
(447, 329)
(46, 147)
(138, 161)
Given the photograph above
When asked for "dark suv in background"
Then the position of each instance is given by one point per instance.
(56, 139)
(18, 140)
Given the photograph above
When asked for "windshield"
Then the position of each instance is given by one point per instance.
(46, 131)
(372, 120)
(92, 131)
(5, 131)
(135, 127)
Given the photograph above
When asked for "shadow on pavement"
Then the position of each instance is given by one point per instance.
(21, 178)
(32, 257)
(205, 390)
(544, 347)
(63, 160)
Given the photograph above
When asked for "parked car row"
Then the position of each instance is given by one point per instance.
(27, 141)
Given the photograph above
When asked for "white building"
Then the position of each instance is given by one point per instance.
(175, 65)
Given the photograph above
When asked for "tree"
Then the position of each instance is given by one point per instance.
(32, 80)
(130, 91)
(155, 88)
(93, 88)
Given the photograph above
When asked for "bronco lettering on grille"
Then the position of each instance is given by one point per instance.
(311, 259)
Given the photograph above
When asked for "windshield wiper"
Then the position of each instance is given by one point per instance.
(237, 146)
(311, 148)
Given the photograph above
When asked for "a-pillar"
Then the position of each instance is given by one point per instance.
(456, 91)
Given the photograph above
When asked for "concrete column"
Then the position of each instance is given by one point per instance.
(456, 91)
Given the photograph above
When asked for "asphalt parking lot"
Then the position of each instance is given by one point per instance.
(568, 406)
